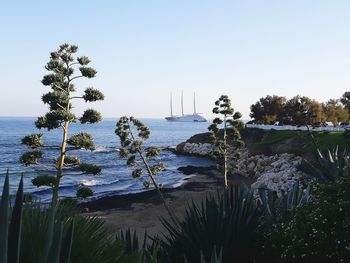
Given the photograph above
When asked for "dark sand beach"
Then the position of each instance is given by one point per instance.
(142, 211)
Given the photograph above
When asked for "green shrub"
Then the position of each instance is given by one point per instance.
(346, 134)
(84, 192)
(317, 232)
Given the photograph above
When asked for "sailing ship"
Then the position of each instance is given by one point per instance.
(195, 117)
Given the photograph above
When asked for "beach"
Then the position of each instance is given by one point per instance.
(143, 211)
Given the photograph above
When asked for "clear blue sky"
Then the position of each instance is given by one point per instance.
(143, 50)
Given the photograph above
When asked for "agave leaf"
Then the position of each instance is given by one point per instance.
(67, 245)
(4, 219)
(50, 234)
(54, 254)
(16, 226)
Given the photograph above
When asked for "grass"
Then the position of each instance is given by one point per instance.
(325, 140)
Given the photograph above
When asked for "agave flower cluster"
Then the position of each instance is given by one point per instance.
(133, 133)
(62, 66)
(227, 138)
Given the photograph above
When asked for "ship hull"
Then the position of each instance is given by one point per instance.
(186, 118)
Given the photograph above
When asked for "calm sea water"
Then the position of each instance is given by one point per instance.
(116, 176)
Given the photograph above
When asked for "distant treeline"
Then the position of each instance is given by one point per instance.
(300, 110)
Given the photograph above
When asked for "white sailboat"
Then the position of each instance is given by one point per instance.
(195, 117)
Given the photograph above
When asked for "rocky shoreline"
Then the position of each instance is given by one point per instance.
(277, 172)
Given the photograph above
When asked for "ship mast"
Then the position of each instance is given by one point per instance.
(171, 105)
(194, 103)
(182, 103)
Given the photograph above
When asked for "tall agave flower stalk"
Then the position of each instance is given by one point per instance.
(228, 137)
(133, 133)
(62, 66)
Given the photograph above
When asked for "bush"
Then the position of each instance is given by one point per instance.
(317, 232)
(224, 224)
(346, 134)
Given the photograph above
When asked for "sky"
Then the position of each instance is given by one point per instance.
(145, 50)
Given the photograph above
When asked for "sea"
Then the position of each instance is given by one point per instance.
(115, 178)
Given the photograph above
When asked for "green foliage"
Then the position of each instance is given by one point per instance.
(71, 161)
(126, 130)
(44, 180)
(331, 165)
(33, 141)
(29, 158)
(226, 223)
(56, 100)
(10, 225)
(335, 112)
(90, 116)
(82, 140)
(63, 67)
(345, 100)
(267, 110)
(87, 168)
(90, 241)
(317, 232)
(92, 94)
(300, 111)
(229, 137)
(83, 60)
(88, 72)
(84, 192)
(296, 197)
(346, 134)
(132, 134)
(270, 138)
(150, 249)
(54, 119)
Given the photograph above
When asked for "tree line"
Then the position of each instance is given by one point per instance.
(300, 110)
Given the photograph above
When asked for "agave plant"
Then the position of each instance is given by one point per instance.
(296, 197)
(223, 224)
(10, 228)
(11, 232)
(90, 242)
(33, 234)
(331, 165)
(213, 259)
(150, 249)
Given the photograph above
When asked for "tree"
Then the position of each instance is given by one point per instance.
(132, 134)
(267, 109)
(302, 111)
(335, 112)
(62, 66)
(345, 100)
(227, 138)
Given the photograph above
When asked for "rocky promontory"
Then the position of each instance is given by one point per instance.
(277, 171)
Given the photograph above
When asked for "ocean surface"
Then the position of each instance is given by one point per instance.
(115, 178)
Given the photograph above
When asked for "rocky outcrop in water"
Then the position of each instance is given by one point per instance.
(277, 172)
(197, 149)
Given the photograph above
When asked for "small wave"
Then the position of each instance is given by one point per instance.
(182, 181)
(94, 182)
(103, 149)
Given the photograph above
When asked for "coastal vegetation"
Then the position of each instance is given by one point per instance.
(228, 138)
(307, 222)
(62, 67)
(300, 110)
(132, 134)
